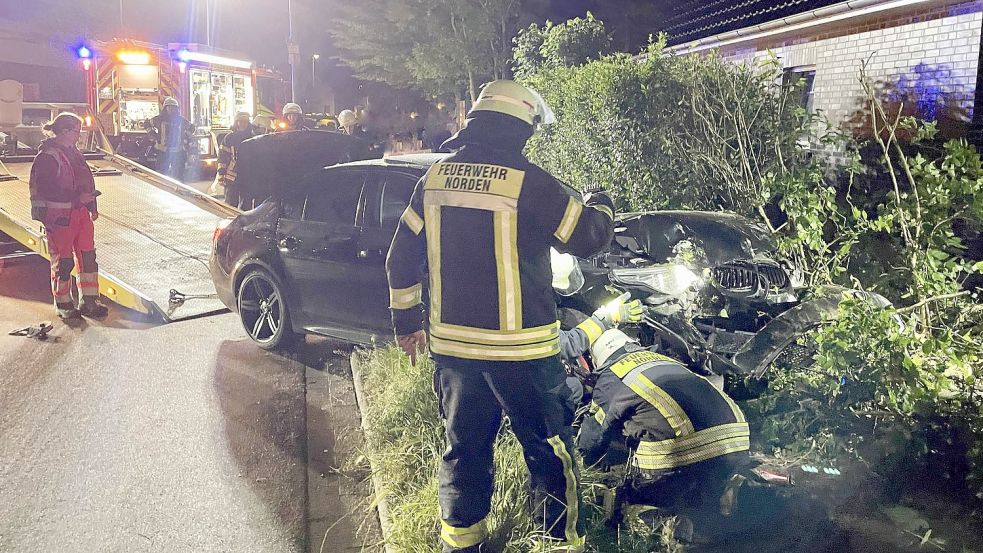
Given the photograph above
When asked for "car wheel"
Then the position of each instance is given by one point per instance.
(263, 311)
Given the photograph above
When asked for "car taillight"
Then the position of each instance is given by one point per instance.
(220, 228)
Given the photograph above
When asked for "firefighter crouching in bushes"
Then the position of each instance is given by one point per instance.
(688, 437)
(242, 130)
(63, 199)
(482, 221)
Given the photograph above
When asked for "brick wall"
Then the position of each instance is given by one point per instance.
(934, 52)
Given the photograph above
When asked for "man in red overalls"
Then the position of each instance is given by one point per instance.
(63, 199)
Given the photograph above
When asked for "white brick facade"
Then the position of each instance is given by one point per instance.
(941, 54)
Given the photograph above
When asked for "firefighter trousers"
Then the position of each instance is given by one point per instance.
(471, 400)
(71, 240)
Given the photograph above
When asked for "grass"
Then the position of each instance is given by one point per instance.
(404, 442)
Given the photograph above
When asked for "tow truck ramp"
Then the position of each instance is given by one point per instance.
(153, 235)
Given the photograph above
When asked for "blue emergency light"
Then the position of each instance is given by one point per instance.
(83, 52)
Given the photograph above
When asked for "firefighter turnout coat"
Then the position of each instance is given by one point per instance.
(481, 221)
(673, 417)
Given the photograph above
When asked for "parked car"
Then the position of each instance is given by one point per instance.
(311, 258)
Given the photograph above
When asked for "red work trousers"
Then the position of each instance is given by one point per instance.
(70, 244)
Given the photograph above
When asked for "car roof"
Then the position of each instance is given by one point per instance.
(421, 162)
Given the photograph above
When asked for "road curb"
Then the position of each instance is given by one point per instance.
(382, 506)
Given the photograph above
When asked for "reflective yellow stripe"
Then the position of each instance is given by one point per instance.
(526, 336)
(464, 537)
(58, 205)
(634, 360)
(39, 203)
(738, 414)
(694, 440)
(404, 298)
(507, 258)
(432, 227)
(453, 198)
(604, 209)
(666, 406)
(572, 504)
(700, 446)
(494, 353)
(569, 221)
(413, 221)
(475, 178)
(591, 329)
(599, 414)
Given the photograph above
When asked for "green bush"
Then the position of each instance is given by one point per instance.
(665, 131)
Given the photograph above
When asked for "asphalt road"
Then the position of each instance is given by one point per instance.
(119, 435)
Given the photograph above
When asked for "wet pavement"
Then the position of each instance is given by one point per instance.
(120, 435)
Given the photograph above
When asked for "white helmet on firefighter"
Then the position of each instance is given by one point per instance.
(170, 101)
(604, 347)
(347, 118)
(511, 98)
(567, 276)
(292, 108)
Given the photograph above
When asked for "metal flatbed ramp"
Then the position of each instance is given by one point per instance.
(149, 240)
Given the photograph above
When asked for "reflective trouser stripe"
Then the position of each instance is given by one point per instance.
(61, 278)
(89, 284)
(460, 538)
(571, 499)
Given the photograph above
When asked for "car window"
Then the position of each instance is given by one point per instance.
(396, 191)
(334, 197)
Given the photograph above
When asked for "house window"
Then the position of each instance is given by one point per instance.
(802, 80)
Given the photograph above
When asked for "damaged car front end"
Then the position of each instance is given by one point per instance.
(718, 294)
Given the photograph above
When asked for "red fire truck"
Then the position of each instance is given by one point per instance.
(127, 81)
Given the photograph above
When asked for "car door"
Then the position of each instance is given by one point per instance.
(387, 195)
(319, 247)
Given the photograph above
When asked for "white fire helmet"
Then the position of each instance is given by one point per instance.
(608, 343)
(170, 101)
(292, 108)
(567, 276)
(511, 98)
(347, 118)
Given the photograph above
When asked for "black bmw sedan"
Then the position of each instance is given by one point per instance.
(311, 258)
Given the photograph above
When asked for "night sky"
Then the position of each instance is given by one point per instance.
(258, 28)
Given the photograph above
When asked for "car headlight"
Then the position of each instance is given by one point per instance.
(667, 279)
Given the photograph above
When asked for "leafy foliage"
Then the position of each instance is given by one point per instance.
(439, 47)
(665, 131)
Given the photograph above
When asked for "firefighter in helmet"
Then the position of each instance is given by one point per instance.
(293, 118)
(242, 130)
(348, 121)
(482, 221)
(63, 199)
(173, 135)
(688, 437)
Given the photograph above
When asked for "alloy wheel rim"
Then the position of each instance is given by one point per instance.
(260, 308)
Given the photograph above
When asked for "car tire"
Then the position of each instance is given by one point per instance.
(263, 311)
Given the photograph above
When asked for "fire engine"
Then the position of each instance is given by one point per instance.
(127, 81)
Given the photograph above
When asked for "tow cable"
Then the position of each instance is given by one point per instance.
(176, 298)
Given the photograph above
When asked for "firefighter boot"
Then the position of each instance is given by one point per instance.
(66, 311)
(90, 306)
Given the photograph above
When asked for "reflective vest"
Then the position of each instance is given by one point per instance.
(482, 222)
(674, 417)
(71, 187)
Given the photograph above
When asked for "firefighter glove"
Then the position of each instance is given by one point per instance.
(620, 310)
(38, 213)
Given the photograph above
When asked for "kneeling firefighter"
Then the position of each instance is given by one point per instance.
(63, 199)
(689, 438)
(481, 222)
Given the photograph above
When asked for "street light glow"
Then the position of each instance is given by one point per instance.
(187, 55)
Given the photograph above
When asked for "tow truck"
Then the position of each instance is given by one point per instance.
(153, 236)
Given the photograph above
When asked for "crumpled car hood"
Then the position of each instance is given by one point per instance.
(723, 237)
